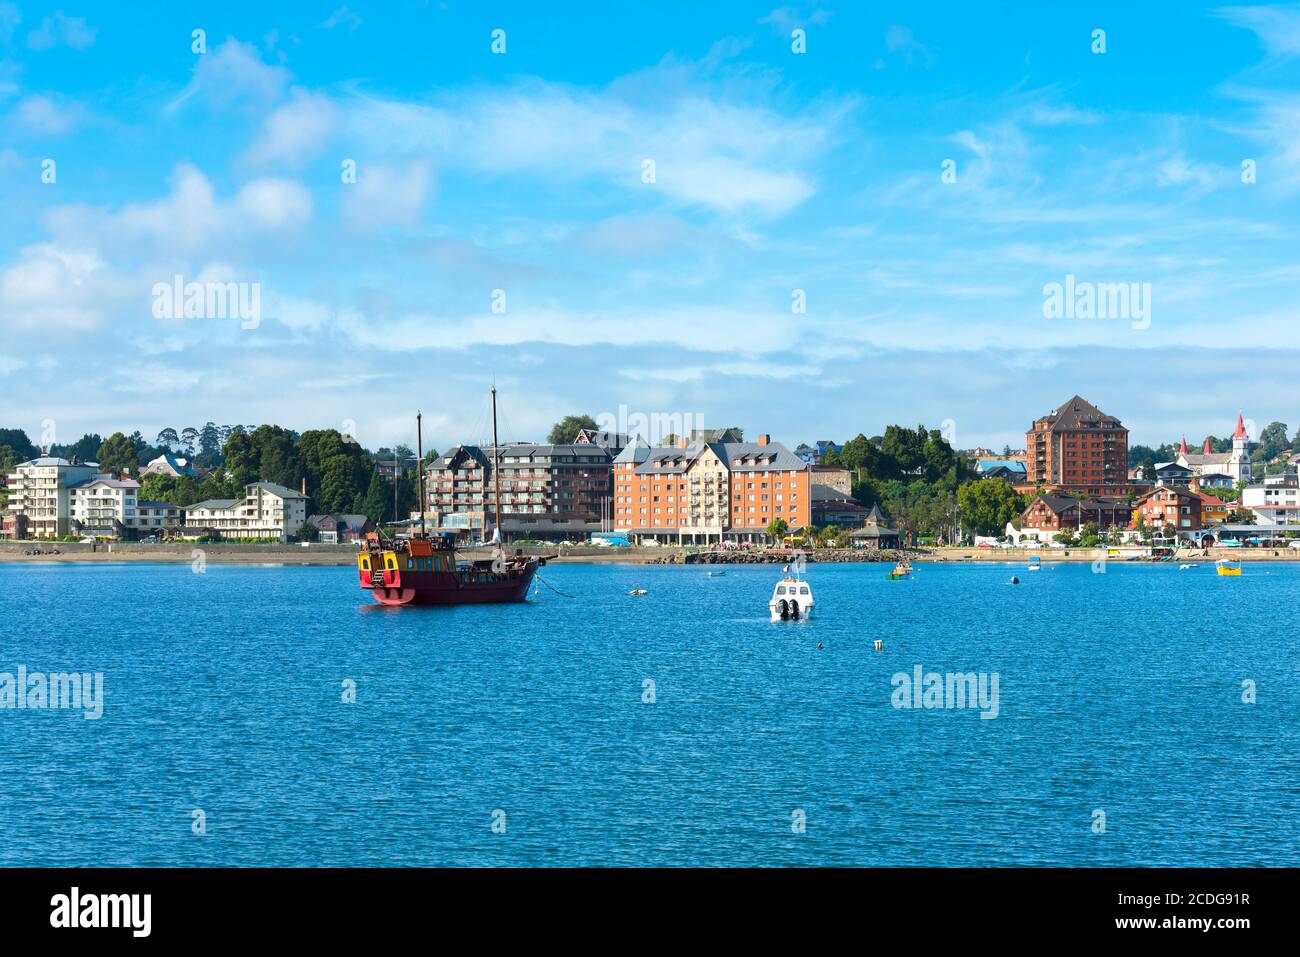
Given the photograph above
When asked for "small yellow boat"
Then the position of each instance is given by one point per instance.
(1227, 566)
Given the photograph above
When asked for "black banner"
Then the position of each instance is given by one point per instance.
(338, 906)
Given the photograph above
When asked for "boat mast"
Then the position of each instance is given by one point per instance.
(419, 453)
(496, 470)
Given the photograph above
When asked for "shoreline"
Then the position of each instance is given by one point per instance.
(345, 555)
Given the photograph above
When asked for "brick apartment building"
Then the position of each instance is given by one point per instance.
(1052, 512)
(1165, 505)
(546, 490)
(705, 491)
(1078, 448)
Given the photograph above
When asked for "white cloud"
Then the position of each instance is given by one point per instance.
(45, 116)
(60, 30)
(57, 286)
(708, 150)
(190, 217)
(232, 72)
(342, 17)
(1278, 28)
(386, 195)
(294, 131)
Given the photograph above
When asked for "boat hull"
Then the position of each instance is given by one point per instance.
(803, 615)
(442, 588)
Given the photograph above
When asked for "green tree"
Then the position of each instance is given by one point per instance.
(242, 462)
(987, 505)
(276, 456)
(17, 440)
(567, 429)
(776, 529)
(85, 449)
(1273, 441)
(378, 503)
(337, 469)
(117, 454)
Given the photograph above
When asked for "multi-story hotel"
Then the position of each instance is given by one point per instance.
(546, 490)
(267, 511)
(40, 495)
(1078, 448)
(707, 491)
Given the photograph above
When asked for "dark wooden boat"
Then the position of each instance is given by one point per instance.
(423, 569)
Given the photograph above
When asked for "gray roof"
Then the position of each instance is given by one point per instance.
(445, 460)
(538, 450)
(46, 461)
(1059, 503)
(1075, 411)
(354, 523)
(752, 457)
(276, 489)
(634, 452)
(873, 531)
(1213, 458)
(216, 503)
(669, 459)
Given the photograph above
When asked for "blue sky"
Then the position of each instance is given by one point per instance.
(775, 171)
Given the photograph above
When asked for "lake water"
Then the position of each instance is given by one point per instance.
(1118, 693)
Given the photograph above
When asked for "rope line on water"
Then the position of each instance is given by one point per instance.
(539, 577)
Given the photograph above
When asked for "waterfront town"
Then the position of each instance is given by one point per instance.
(1076, 482)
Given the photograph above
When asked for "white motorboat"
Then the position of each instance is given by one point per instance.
(792, 599)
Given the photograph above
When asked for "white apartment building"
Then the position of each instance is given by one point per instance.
(40, 494)
(103, 507)
(267, 511)
(1276, 501)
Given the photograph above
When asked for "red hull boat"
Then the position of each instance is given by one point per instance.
(424, 571)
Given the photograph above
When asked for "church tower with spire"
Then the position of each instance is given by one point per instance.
(1239, 464)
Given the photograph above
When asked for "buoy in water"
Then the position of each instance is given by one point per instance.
(879, 644)
(1015, 580)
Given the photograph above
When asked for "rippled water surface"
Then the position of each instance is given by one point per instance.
(1118, 692)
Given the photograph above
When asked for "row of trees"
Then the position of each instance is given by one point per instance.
(919, 480)
(339, 474)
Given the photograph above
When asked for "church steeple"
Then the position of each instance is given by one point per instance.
(1241, 428)
(1207, 450)
(1182, 449)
